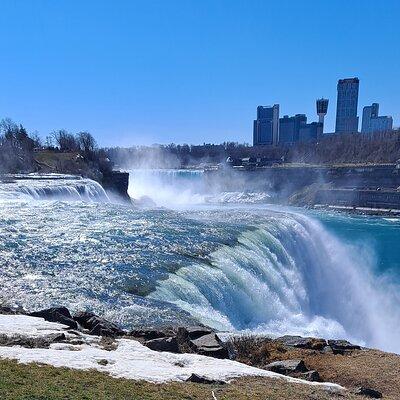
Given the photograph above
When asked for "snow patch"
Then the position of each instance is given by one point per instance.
(130, 360)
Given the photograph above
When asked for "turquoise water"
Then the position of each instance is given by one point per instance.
(380, 234)
(225, 259)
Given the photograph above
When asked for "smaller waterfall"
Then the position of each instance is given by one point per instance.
(53, 187)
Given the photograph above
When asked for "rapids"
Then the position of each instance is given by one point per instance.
(217, 258)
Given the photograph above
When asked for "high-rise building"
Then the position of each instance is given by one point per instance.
(310, 132)
(373, 123)
(322, 109)
(289, 128)
(266, 126)
(347, 102)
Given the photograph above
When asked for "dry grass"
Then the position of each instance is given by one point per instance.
(371, 368)
(34, 382)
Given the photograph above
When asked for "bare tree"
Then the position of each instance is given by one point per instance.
(65, 141)
(87, 142)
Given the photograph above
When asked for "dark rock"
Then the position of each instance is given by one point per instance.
(42, 342)
(312, 376)
(56, 314)
(202, 379)
(97, 325)
(101, 327)
(303, 342)
(147, 334)
(342, 346)
(209, 345)
(287, 367)
(169, 344)
(82, 317)
(368, 392)
(5, 310)
(193, 332)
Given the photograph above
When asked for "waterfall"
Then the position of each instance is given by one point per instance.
(54, 187)
(167, 187)
(175, 188)
(289, 276)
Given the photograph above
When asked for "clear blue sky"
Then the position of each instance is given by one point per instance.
(142, 72)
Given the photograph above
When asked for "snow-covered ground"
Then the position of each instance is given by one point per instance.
(129, 360)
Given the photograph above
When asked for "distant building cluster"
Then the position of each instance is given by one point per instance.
(270, 129)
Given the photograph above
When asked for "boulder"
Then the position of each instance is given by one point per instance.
(5, 310)
(169, 344)
(209, 345)
(101, 327)
(287, 367)
(147, 334)
(56, 314)
(342, 346)
(193, 332)
(202, 379)
(97, 325)
(368, 392)
(312, 376)
(82, 317)
(303, 342)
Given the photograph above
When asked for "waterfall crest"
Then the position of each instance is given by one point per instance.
(289, 277)
(52, 187)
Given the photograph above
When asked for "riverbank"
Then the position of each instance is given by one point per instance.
(92, 364)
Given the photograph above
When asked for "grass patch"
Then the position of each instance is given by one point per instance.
(40, 382)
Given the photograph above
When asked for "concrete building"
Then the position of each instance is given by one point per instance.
(311, 132)
(347, 103)
(373, 123)
(289, 128)
(266, 126)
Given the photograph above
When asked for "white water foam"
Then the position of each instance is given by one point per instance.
(290, 277)
(169, 188)
(177, 188)
(52, 187)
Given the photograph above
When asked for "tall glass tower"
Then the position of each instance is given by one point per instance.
(347, 102)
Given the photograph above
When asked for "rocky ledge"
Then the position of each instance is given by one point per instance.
(365, 372)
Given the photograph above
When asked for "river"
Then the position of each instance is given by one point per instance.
(229, 260)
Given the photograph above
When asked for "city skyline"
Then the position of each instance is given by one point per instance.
(271, 129)
(185, 72)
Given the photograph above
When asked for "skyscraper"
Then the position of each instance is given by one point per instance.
(373, 123)
(266, 126)
(289, 128)
(347, 102)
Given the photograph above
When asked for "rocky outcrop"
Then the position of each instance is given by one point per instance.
(303, 342)
(342, 346)
(97, 325)
(56, 314)
(169, 344)
(196, 339)
(150, 334)
(116, 182)
(6, 310)
(209, 345)
(202, 379)
(295, 369)
(42, 342)
(286, 367)
(368, 392)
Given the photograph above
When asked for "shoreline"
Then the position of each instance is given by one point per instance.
(331, 367)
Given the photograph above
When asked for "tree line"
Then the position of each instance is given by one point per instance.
(330, 149)
(18, 147)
